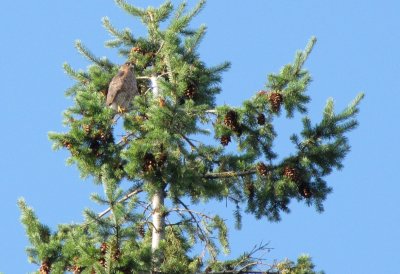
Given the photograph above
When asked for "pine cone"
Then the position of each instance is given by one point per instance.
(238, 131)
(86, 128)
(76, 269)
(231, 120)
(117, 254)
(305, 191)
(103, 248)
(275, 99)
(262, 169)
(190, 92)
(45, 267)
(143, 116)
(141, 230)
(136, 49)
(67, 144)
(291, 173)
(250, 189)
(149, 162)
(102, 261)
(104, 136)
(225, 140)
(95, 146)
(261, 119)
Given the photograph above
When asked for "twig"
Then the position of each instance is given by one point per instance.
(124, 139)
(193, 146)
(200, 229)
(191, 211)
(161, 46)
(142, 77)
(212, 111)
(123, 199)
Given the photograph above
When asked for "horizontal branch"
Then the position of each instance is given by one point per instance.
(229, 174)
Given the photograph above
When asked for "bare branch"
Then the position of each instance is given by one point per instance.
(212, 111)
(202, 234)
(192, 146)
(191, 211)
(123, 199)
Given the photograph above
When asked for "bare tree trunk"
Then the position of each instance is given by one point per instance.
(158, 220)
(158, 217)
(154, 86)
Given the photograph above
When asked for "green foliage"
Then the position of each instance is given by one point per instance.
(303, 266)
(46, 246)
(158, 146)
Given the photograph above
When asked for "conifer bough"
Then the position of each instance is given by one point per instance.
(158, 146)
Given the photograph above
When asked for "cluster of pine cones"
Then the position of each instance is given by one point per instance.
(293, 174)
(150, 162)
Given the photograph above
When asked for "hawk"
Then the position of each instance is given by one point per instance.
(122, 89)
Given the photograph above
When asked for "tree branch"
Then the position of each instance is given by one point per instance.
(123, 199)
(229, 174)
(202, 235)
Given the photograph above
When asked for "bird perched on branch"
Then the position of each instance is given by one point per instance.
(122, 89)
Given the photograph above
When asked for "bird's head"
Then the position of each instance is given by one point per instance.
(128, 65)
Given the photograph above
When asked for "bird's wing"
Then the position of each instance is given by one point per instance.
(131, 84)
(115, 85)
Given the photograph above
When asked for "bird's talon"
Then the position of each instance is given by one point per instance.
(121, 110)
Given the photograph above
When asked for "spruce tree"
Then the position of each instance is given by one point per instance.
(162, 147)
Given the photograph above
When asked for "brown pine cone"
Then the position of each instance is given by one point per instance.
(291, 173)
(136, 49)
(275, 99)
(94, 145)
(76, 269)
(103, 248)
(150, 162)
(250, 189)
(305, 190)
(67, 144)
(102, 261)
(141, 231)
(45, 267)
(262, 169)
(231, 120)
(225, 140)
(86, 128)
(190, 92)
(103, 136)
(117, 254)
(261, 119)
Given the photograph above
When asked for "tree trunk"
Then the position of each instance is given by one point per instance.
(158, 222)
(158, 217)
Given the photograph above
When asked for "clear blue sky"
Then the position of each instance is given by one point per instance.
(357, 50)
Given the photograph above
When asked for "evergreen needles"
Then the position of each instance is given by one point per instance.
(158, 145)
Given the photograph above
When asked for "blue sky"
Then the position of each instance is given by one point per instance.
(357, 50)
